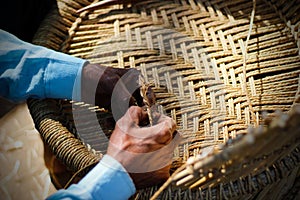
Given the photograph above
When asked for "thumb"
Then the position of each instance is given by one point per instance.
(136, 114)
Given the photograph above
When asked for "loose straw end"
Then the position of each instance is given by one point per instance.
(161, 189)
(94, 6)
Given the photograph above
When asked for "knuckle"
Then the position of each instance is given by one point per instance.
(134, 112)
(134, 109)
(165, 131)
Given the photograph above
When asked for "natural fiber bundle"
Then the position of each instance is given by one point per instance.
(218, 68)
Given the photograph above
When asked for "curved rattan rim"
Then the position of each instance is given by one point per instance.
(286, 157)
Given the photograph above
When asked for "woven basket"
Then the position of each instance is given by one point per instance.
(221, 69)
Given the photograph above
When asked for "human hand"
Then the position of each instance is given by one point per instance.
(145, 152)
(99, 83)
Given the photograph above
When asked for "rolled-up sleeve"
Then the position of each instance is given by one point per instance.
(107, 181)
(28, 70)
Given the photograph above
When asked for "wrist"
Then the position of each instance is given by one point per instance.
(89, 82)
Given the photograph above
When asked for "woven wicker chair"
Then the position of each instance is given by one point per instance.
(219, 69)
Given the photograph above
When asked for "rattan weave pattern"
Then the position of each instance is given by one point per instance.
(193, 51)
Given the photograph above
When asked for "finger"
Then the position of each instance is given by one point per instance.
(135, 115)
(161, 133)
(129, 123)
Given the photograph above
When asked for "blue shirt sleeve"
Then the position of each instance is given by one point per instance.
(28, 70)
(107, 181)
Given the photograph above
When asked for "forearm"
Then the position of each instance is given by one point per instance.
(28, 70)
(108, 180)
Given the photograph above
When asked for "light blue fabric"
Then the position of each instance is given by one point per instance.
(28, 70)
(107, 181)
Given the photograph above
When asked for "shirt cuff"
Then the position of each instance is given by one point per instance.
(108, 180)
